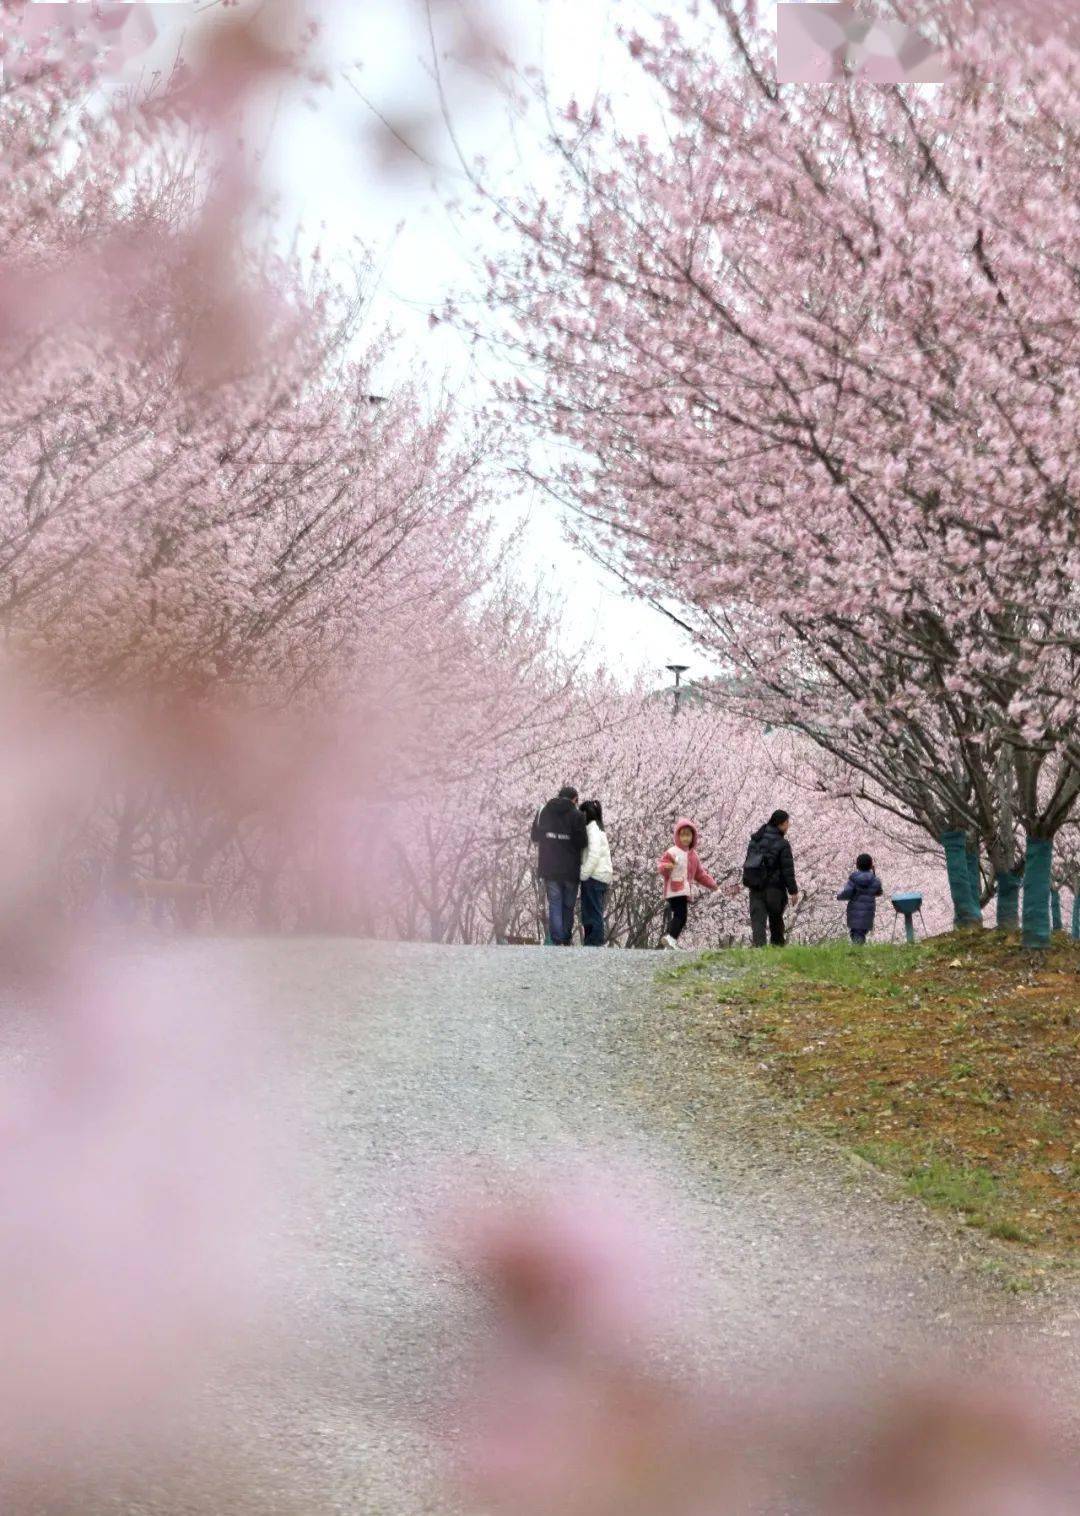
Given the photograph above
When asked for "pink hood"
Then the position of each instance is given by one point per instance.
(685, 821)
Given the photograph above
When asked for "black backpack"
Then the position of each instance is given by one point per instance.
(758, 865)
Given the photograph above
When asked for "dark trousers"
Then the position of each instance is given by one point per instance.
(767, 910)
(593, 894)
(561, 899)
(675, 915)
(856, 935)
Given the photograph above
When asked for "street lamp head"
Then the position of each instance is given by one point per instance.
(678, 669)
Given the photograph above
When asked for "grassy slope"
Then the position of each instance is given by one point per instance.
(955, 1064)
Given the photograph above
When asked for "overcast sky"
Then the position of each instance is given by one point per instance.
(330, 169)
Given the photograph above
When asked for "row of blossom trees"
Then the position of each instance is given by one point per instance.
(348, 709)
(205, 500)
(462, 867)
(242, 592)
(209, 513)
(809, 354)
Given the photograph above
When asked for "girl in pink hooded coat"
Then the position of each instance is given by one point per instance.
(681, 868)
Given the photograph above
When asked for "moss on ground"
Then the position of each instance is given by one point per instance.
(954, 1064)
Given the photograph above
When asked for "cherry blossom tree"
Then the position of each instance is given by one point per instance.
(469, 869)
(1066, 875)
(244, 592)
(807, 352)
(192, 509)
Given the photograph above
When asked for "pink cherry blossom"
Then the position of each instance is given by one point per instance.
(804, 356)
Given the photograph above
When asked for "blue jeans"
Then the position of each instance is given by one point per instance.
(561, 899)
(593, 894)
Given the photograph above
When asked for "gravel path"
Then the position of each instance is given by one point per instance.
(419, 1066)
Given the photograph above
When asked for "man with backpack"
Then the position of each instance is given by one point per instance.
(769, 875)
(560, 834)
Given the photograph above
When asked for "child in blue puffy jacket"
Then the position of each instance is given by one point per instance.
(861, 892)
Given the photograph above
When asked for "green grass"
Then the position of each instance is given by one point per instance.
(1046, 1122)
(972, 1191)
(961, 1188)
(1008, 1231)
(839, 963)
(951, 1064)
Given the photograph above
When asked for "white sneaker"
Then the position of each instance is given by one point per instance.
(669, 942)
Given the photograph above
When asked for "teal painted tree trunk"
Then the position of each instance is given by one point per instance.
(1008, 900)
(965, 908)
(1055, 910)
(1036, 918)
(1076, 916)
(975, 876)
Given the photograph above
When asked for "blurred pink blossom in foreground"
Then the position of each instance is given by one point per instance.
(147, 1167)
(108, 35)
(136, 1198)
(576, 1413)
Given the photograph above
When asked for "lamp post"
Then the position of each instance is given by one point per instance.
(678, 669)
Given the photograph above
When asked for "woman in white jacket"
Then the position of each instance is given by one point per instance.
(596, 874)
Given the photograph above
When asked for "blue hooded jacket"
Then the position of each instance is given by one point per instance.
(860, 892)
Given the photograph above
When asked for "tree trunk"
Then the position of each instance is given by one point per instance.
(1008, 900)
(1076, 916)
(965, 908)
(1055, 910)
(1036, 926)
(974, 874)
(1002, 846)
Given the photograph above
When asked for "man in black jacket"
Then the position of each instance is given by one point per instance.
(767, 904)
(559, 831)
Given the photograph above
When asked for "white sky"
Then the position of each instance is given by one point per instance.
(328, 167)
(332, 179)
